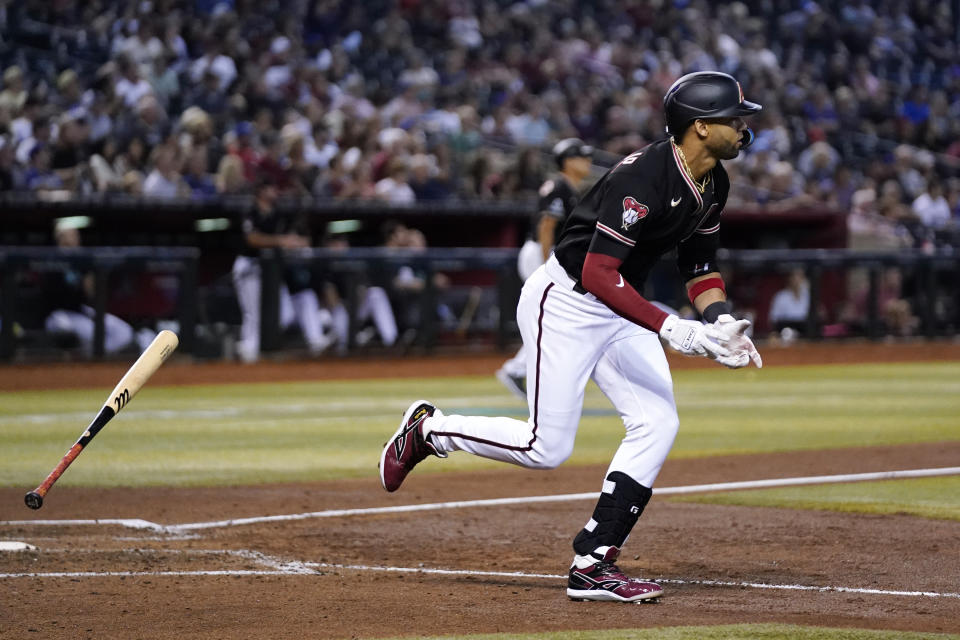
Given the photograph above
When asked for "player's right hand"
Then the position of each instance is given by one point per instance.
(734, 336)
(695, 338)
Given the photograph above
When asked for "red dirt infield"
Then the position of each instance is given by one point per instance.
(274, 579)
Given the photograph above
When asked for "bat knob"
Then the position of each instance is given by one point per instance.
(33, 500)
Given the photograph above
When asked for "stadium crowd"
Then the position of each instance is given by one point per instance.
(413, 100)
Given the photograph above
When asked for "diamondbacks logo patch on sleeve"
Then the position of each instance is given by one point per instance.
(633, 211)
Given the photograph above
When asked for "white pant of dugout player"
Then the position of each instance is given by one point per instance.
(570, 338)
(304, 306)
(117, 333)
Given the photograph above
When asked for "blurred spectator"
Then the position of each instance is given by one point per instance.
(395, 188)
(214, 60)
(130, 86)
(427, 181)
(525, 178)
(359, 183)
(486, 88)
(273, 167)
(165, 181)
(818, 162)
(132, 158)
(165, 82)
(230, 179)
(931, 206)
(143, 48)
(868, 228)
(147, 121)
(104, 167)
(40, 135)
(39, 176)
(14, 95)
(790, 306)
(243, 147)
(208, 95)
(200, 182)
(784, 189)
(70, 151)
(891, 203)
(196, 128)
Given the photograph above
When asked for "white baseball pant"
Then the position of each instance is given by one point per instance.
(571, 337)
(117, 333)
(304, 307)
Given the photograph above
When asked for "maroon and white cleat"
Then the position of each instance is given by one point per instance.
(407, 447)
(602, 580)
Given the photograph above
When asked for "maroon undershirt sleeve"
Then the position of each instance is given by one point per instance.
(601, 278)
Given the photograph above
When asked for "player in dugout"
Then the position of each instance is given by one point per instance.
(582, 315)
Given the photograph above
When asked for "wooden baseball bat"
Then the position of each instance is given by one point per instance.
(131, 382)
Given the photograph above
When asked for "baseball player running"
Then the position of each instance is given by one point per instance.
(558, 197)
(582, 316)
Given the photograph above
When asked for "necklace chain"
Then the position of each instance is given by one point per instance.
(702, 185)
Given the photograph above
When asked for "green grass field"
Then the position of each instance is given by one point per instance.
(307, 431)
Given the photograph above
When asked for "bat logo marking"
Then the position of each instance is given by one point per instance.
(121, 400)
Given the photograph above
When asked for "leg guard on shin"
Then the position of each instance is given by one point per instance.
(621, 503)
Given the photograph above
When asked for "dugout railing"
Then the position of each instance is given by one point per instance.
(102, 263)
(489, 267)
(933, 289)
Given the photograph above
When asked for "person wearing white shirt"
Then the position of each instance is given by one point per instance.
(164, 181)
(931, 207)
(131, 86)
(791, 305)
(222, 65)
(395, 188)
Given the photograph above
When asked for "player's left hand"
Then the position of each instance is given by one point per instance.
(734, 335)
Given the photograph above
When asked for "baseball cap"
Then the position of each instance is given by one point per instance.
(243, 128)
(571, 148)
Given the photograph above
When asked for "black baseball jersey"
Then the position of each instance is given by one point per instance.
(269, 222)
(644, 207)
(557, 200)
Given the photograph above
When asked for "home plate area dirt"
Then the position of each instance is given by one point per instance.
(500, 567)
(471, 569)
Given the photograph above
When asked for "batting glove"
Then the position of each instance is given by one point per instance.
(732, 333)
(694, 338)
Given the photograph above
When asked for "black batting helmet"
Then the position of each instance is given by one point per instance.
(571, 148)
(705, 94)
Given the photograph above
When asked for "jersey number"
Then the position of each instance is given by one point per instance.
(630, 159)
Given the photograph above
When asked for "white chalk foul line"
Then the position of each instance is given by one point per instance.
(726, 486)
(294, 568)
(435, 506)
(132, 523)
